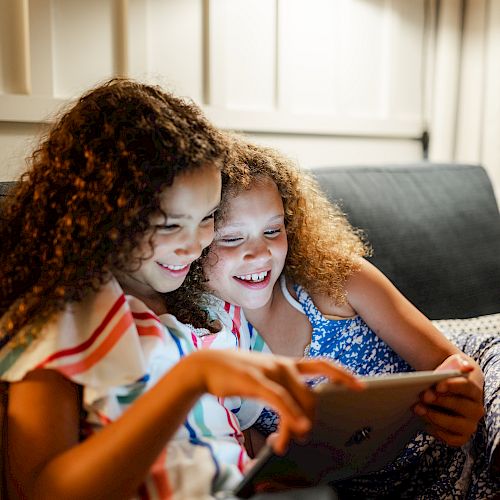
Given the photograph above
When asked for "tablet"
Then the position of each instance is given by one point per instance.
(353, 432)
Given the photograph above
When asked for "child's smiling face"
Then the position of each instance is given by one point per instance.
(190, 203)
(250, 247)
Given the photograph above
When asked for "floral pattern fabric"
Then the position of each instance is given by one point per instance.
(427, 469)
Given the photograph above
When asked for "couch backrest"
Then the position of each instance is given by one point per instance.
(434, 229)
(5, 187)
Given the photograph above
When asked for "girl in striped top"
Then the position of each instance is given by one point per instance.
(117, 203)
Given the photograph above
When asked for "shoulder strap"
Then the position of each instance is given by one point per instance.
(288, 296)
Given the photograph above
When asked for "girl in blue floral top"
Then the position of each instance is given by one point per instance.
(296, 268)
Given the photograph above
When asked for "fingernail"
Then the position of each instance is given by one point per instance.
(420, 410)
(429, 397)
(442, 387)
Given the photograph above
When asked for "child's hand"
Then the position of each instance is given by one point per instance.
(275, 379)
(454, 407)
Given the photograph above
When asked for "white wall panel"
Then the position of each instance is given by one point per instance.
(14, 44)
(83, 44)
(242, 60)
(310, 52)
(490, 137)
(41, 47)
(472, 84)
(318, 62)
(175, 45)
(405, 84)
(446, 81)
(137, 42)
(352, 58)
(17, 140)
(364, 59)
(312, 72)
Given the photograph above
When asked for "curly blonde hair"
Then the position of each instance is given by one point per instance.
(323, 248)
(85, 202)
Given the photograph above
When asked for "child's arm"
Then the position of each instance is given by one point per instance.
(45, 459)
(402, 326)
(396, 320)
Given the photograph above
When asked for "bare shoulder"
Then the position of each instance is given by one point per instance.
(45, 399)
(332, 309)
(366, 278)
(360, 286)
(40, 383)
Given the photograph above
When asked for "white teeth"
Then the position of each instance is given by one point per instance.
(172, 267)
(255, 277)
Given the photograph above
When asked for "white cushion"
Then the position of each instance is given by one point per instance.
(489, 324)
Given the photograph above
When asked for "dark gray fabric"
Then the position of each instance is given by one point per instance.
(434, 229)
(5, 186)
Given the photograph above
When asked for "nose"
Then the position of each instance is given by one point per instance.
(257, 250)
(193, 244)
(190, 248)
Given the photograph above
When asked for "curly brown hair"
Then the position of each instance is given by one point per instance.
(84, 203)
(323, 248)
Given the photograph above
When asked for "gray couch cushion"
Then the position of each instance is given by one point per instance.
(435, 231)
(5, 186)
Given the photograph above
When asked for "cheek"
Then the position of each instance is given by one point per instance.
(145, 250)
(207, 236)
(219, 265)
(163, 244)
(281, 246)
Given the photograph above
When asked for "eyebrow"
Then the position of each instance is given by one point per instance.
(276, 218)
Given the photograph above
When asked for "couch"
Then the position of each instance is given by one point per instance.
(434, 230)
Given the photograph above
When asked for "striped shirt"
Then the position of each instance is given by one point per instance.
(116, 348)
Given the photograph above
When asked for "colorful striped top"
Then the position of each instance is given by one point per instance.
(116, 348)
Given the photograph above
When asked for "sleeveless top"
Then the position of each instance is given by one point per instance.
(348, 341)
(116, 348)
(427, 469)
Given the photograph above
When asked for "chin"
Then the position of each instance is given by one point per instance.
(171, 287)
(255, 304)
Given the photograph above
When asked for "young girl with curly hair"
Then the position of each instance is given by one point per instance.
(117, 203)
(292, 276)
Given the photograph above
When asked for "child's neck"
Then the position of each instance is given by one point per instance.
(263, 315)
(285, 330)
(154, 301)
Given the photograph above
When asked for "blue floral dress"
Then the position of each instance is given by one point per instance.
(427, 468)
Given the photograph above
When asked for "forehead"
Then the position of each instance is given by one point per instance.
(192, 191)
(262, 198)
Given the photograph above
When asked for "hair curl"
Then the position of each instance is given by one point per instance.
(323, 248)
(85, 201)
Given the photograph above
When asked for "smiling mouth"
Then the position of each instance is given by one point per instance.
(253, 277)
(173, 267)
